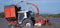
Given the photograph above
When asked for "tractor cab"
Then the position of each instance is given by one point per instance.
(22, 15)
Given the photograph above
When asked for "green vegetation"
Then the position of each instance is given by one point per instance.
(43, 15)
(51, 15)
(56, 15)
(1, 15)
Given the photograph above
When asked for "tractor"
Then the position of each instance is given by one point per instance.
(23, 18)
(17, 17)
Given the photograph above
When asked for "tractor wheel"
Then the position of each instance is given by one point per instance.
(27, 23)
(11, 26)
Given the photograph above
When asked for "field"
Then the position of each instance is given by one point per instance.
(55, 21)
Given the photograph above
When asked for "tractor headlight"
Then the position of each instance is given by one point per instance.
(20, 22)
(37, 24)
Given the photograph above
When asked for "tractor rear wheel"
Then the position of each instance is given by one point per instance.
(27, 23)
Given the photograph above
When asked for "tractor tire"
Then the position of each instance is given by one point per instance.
(27, 23)
(11, 26)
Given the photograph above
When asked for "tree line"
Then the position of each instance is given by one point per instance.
(1, 15)
(43, 15)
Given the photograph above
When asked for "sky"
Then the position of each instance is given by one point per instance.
(45, 6)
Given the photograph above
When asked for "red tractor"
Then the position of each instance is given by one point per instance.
(20, 18)
(17, 17)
